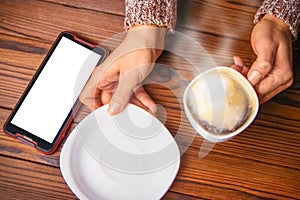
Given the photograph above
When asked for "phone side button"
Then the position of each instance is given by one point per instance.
(26, 141)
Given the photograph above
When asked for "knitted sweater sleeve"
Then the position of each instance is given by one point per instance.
(150, 12)
(287, 10)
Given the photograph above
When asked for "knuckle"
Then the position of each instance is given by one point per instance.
(122, 96)
(286, 79)
(264, 65)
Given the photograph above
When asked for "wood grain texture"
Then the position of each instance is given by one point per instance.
(263, 162)
(25, 180)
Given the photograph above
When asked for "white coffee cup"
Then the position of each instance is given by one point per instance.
(220, 103)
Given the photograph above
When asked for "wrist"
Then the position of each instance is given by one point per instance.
(162, 13)
(147, 37)
(288, 11)
(278, 23)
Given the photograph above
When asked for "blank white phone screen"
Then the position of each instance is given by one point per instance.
(55, 91)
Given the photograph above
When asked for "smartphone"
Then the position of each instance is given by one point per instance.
(46, 109)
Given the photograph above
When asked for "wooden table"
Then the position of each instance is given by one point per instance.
(261, 162)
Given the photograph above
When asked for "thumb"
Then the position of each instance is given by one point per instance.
(124, 90)
(120, 98)
(262, 66)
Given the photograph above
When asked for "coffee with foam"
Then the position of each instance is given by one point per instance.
(220, 102)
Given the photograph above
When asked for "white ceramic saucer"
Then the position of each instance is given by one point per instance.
(128, 156)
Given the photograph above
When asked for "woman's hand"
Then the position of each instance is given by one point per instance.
(118, 79)
(272, 72)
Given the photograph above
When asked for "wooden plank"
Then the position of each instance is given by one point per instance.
(28, 180)
(20, 59)
(227, 18)
(21, 179)
(99, 19)
(44, 21)
(105, 6)
(222, 50)
(226, 176)
(238, 12)
(216, 176)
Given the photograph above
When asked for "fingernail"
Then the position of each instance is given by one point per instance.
(238, 61)
(254, 77)
(153, 109)
(235, 60)
(114, 108)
